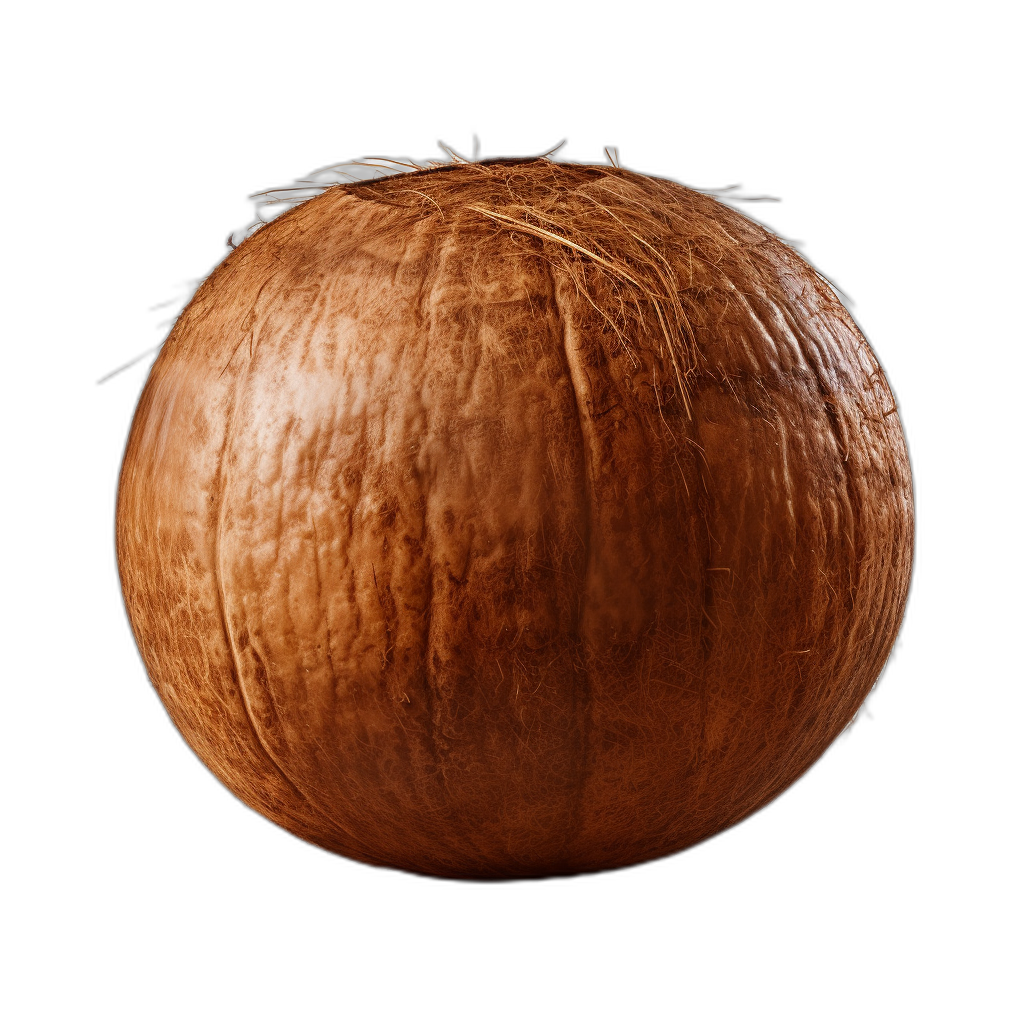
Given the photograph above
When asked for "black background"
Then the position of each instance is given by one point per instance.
(851, 180)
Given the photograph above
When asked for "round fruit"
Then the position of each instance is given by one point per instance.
(514, 518)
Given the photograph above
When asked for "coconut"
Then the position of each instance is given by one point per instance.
(513, 518)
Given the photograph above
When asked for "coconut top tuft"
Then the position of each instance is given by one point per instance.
(658, 247)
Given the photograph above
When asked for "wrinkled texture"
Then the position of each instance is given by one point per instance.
(513, 519)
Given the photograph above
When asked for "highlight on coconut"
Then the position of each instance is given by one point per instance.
(515, 517)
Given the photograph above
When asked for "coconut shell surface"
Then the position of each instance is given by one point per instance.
(513, 519)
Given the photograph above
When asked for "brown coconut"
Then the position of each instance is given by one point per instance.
(513, 518)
